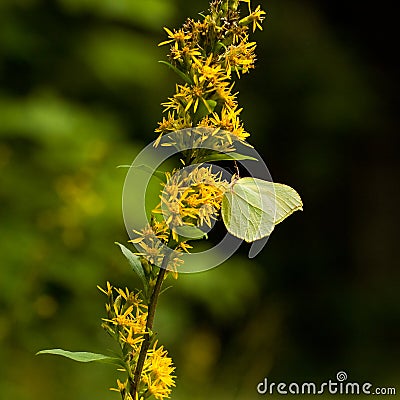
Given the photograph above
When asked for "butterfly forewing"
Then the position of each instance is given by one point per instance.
(251, 207)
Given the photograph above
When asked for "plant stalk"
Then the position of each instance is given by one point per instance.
(149, 326)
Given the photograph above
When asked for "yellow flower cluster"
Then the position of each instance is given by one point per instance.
(126, 322)
(227, 122)
(153, 240)
(158, 372)
(204, 54)
(191, 198)
(126, 318)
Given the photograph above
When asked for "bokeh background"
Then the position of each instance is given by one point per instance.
(80, 89)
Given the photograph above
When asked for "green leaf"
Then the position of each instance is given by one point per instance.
(178, 71)
(157, 173)
(227, 156)
(135, 263)
(206, 107)
(190, 232)
(82, 356)
(252, 207)
(165, 289)
(219, 45)
(211, 104)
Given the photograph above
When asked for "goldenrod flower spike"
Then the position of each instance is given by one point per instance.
(207, 56)
(206, 53)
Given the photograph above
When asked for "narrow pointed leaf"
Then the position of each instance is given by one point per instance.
(205, 108)
(157, 173)
(227, 157)
(135, 263)
(82, 356)
(190, 232)
(178, 71)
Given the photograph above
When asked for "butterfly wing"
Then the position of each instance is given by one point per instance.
(286, 200)
(252, 207)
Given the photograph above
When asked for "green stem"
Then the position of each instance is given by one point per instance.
(149, 326)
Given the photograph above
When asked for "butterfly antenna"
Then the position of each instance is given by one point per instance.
(237, 169)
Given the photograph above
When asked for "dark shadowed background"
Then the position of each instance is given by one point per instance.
(80, 93)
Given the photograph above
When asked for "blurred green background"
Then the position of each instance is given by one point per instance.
(80, 89)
